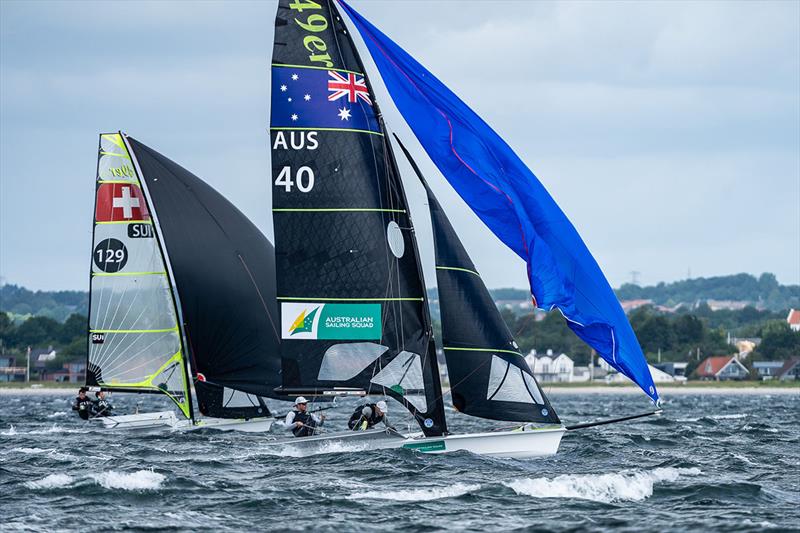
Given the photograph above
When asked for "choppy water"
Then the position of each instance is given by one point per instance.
(713, 462)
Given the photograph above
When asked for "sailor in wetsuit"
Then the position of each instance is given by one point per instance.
(300, 422)
(367, 416)
(101, 406)
(82, 404)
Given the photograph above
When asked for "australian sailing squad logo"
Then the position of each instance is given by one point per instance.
(330, 321)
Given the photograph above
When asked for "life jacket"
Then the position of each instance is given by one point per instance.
(102, 408)
(307, 429)
(83, 406)
(357, 419)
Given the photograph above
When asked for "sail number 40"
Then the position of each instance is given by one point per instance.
(303, 179)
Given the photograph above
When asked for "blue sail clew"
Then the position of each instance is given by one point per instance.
(512, 202)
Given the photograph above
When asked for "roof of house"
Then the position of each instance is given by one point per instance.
(788, 366)
(711, 366)
(768, 364)
(794, 317)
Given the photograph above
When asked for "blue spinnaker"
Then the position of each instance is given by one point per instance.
(511, 201)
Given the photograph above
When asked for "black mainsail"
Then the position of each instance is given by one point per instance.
(350, 288)
(489, 377)
(181, 280)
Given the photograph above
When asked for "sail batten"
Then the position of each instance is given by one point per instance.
(350, 286)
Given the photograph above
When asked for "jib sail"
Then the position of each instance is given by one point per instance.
(134, 336)
(350, 288)
(489, 377)
(224, 270)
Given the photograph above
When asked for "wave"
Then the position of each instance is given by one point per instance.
(414, 495)
(53, 481)
(58, 414)
(9, 432)
(51, 452)
(622, 486)
(139, 480)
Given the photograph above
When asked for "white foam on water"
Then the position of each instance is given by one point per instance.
(32, 450)
(305, 450)
(139, 480)
(743, 459)
(9, 432)
(729, 417)
(53, 481)
(58, 414)
(748, 427)
(415, 495)
(621, 486)
(55, 428)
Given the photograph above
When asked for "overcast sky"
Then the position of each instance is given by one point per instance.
(668, 132)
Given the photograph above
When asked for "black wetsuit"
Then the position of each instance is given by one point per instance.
(101, 408)
(357, 418)
(83, 406)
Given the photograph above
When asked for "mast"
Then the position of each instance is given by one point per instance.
(350, 287)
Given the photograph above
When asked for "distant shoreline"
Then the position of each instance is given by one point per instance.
(550, 389)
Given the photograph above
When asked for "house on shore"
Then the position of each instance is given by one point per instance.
(794, 319)
(675, 369)
(767, 370)
(790, 371)
(721, 368)
(9, 371)
(551, 368)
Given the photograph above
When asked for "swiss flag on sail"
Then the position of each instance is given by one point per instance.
(120, 201)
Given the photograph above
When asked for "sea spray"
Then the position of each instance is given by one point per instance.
(622, 486)
(139, 480)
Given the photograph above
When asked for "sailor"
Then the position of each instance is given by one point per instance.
(300, 422)
(101, 406)
(82, 404)
(367, 416)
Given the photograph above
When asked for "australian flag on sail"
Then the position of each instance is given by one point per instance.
(317, 98)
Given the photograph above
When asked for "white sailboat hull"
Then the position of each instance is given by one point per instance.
(518, 443)
(167, 421)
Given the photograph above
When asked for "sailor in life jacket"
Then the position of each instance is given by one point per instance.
(82, 404)
(300, 422)
(101, 406)
(367, 416)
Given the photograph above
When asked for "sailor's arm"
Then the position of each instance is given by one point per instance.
(289, 420)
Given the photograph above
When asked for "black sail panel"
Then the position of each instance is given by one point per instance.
(350, 288)
(224, 272)
(489, 377)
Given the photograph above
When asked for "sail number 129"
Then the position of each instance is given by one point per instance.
(303, 179)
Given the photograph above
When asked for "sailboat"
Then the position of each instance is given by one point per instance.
(182, 296)
(354, 317)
